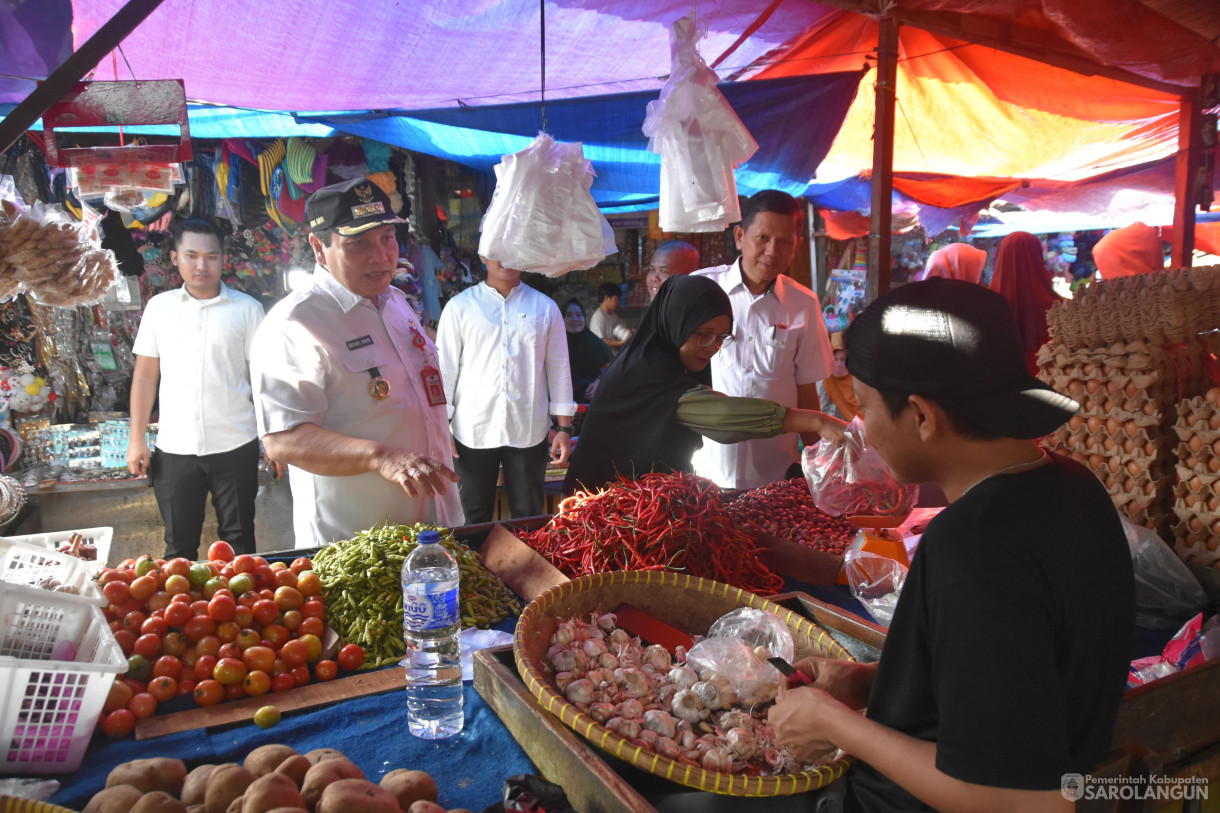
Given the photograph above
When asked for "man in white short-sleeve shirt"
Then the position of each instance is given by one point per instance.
(192, 351)
(347, 385)
(782, 349)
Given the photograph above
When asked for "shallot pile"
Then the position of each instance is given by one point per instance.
(786, 509)
(657, 701)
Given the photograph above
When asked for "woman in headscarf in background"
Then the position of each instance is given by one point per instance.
(587, 354)
(1021, 277)
(956, 261)
(655, 401)
(1134, 249)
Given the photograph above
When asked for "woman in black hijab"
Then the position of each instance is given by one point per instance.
(587, 354)
(655, 401)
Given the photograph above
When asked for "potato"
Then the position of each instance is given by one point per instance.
(356, 796)
(196, 783)
(158, 802)
(409, 787)
(319, 754)
(266, 758)
(424, 806)
(295, 768)
(115, 799)
(269, 792)
(324, 773)
(225, 784)
(148, 775)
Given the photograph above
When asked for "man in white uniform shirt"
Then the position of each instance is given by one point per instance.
(504, 361)
(347, 385)
(781, 350)
(193, 350)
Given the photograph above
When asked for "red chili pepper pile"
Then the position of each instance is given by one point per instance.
(786, 509)
(658, 521)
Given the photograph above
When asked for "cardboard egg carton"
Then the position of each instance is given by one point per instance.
(1197, 547)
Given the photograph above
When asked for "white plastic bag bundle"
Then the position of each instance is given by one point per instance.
(700, 140)
(542, 217)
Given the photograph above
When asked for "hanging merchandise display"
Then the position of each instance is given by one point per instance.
(45, 251)
(542, 216)
(699, 137)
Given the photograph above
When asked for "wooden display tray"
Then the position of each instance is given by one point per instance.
(595, 781)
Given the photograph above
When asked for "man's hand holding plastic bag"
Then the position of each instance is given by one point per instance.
(850, 478)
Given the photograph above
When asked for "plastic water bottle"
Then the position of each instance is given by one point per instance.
(431, 627)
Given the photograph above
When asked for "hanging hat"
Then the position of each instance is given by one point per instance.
(299, 161)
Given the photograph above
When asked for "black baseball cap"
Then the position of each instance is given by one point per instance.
(350, 208)
(955, 343)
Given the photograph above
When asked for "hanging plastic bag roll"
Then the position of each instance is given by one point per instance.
(699, 137)
(542, 216)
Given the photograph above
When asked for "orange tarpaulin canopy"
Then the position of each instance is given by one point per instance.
(974, 111)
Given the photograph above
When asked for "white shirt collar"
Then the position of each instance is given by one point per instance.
(185, 295)
(737, 278)
(347, 300)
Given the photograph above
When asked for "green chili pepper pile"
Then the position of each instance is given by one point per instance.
(361, 579)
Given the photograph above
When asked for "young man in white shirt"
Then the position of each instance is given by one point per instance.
(782, 349)
(193, 351)
(605, 323)
(504, 361)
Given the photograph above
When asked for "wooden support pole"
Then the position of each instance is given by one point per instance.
(1189, 150)
(883, 160)
(83, 60)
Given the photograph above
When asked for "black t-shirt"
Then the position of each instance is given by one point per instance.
(1011, 641)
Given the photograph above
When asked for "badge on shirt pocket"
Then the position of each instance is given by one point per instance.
(432, 385)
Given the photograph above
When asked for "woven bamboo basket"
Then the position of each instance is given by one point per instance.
(691, 604)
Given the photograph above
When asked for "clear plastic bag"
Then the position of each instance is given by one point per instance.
(1166, 592)
(699, 137)
(876, 581)
(740, 676)
(852, 480)
(542, 217)
(47, 252)
(757, 628)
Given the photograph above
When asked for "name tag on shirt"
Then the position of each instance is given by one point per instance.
(356, 344)
(432, 385)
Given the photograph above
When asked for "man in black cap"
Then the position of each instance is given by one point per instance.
(1009, 648)
(347, 386)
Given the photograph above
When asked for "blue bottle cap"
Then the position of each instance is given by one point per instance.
(428, 537)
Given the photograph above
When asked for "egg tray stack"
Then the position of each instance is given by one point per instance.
(1128, 393)
(1197, 506)
(1166, 308)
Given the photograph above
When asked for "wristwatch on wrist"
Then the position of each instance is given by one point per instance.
(556, 426)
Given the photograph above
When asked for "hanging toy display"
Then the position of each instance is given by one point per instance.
(24, 392)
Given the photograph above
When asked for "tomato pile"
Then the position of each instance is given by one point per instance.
(786, 509)
(224, 629)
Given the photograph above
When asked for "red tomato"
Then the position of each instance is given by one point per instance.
(311, 626)
(257, 683)
(351, 657)
(248, 638)
(120, 695)
(188, 658)
(236, 691)
(244, 616)
(164, 688)
(288, 598)
(244, 563)
(208, 693)
(207, 645)
(276, 635)
(178, 567)
(184, 598)
(111, 574)
(283, 682)
(326, 670)
(295, 652)
(314, 608)
(129, 606)
(292, 619)
(259, 658)
(205, 666)
(177, 584)
(309, 583)
(116, 591)
(167, 666)
(229, 650)
(177, 614)
(134, 620)
(264, 577)
(285, 578)
(174, 643)
(229, 671)
(199, 607)
(278, 667)
(227, 632)
(118, 723)
(142, 705)
(222, 608)
(159, 600)
(154, 626)
(197, 627)
(220, 552)
(149, 646)
(186, 685)
(126, 639)
(299, 564)
(265, 612)
(300, 674)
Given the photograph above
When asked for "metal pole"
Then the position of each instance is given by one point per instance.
(883, 160)
(85, 59)
(1189, 148)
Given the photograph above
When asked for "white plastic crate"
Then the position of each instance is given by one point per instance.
(51, 696)
(99, 537)
(25, 566)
